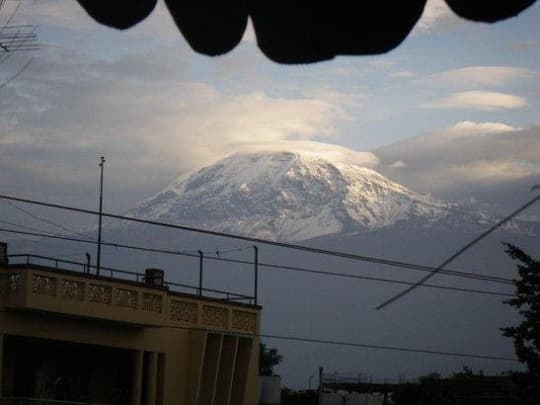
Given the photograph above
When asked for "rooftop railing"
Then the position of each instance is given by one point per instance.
(51, 263)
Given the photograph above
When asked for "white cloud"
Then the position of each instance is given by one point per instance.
(494, 76)
(479, 100)
(336, 97)
(398, 164)
(148, 118)
(437, 15)
(196, 117)
(329, 151)
(234, 123)
(402, 74)
(150, 110)
(468, 128)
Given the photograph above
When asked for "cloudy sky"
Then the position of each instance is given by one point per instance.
(454, 111)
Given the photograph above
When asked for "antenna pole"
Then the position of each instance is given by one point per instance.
(101, 165)
(200, 272)
(88, 258)
(256, 262)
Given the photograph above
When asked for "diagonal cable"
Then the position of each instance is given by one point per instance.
(459, 253)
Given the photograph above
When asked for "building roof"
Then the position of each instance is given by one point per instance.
(128, 278)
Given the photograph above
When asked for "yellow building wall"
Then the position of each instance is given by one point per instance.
(210, 347)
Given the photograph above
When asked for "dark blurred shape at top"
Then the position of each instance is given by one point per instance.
(299, 31)
(119, 14)
(304, 31)
(488, 10)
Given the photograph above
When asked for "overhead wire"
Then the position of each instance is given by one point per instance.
(40, 242)
(44, 220)
(452, 273)
(12, 15)
(16, 26)
(350, 344)
(267, 265)
(389, 348)
(356, 344)
(29, 228)
(221, 252)
(17, 74)
(370, 259)
(24, 44)
(458, 253)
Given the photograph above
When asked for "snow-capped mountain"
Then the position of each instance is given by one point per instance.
(293, 196)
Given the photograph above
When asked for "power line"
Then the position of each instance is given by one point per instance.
(312, 271)
(390, 348)
(446, 272)
(356, 344)
(18, 40)
(349, 344)
(334, 253)
(193, 254)
(25, 44)
(29, 228)
(378, 279)
(220, 252)
(217, 252)
(459, 253)
(15, 26)
(17, 74)
(44, 220)
(38, 230)
(267, 265)
(10, 17)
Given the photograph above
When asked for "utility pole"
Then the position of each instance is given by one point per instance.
(320, 390)
(101, 165)
(256, 261)
(201, 258)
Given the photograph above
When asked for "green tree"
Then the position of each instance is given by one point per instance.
(268, 358)
(526, 335)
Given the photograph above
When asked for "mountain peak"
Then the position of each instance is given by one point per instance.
(287, 196)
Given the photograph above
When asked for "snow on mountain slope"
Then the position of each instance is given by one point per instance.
(288, 196)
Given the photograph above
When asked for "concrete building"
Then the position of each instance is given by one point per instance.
(68, 335)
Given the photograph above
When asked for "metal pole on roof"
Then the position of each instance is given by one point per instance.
(101, 165)
(88, 259)
(256, 263)
(200, 271)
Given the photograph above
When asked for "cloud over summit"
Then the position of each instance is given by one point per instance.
(479, 100)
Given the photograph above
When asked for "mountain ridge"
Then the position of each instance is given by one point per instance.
(295, 196)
